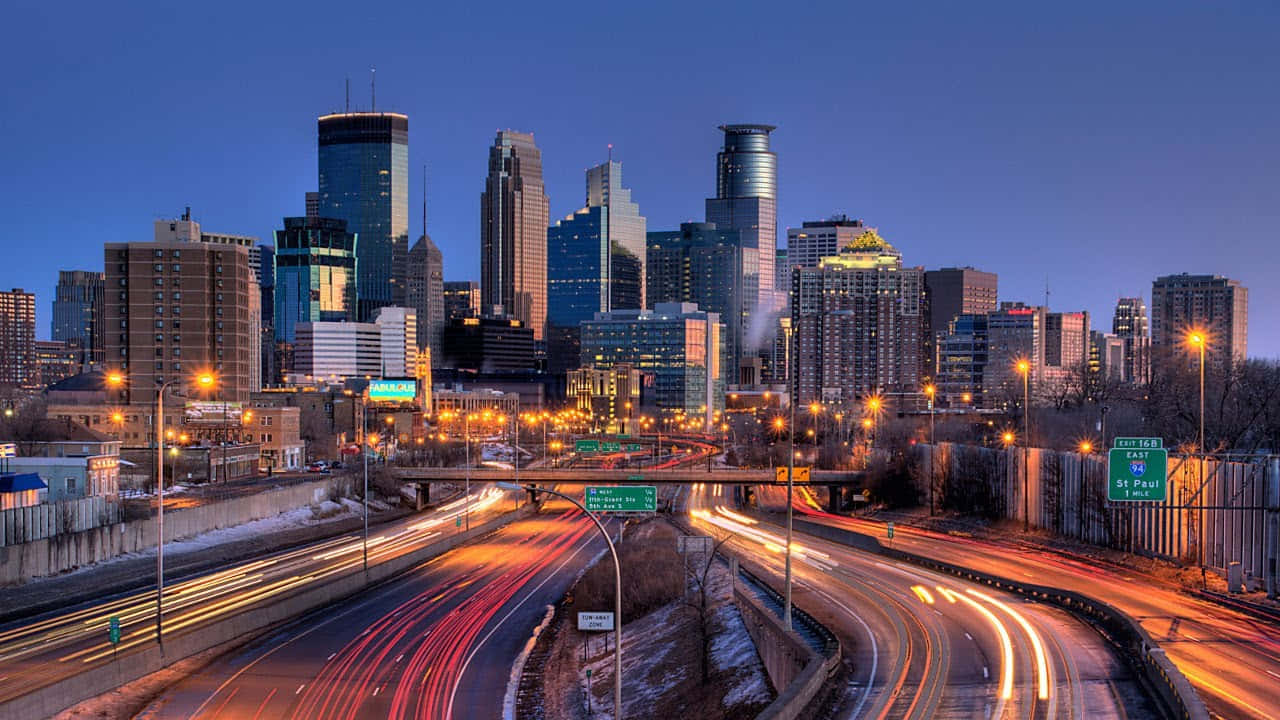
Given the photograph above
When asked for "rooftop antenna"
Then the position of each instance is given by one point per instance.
(1046, 293)
(424, 199)
(347, 105)
(610, 152)
(373, 90)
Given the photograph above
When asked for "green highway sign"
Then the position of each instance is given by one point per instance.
(113, 630)
(608, 446)
(635, 478)
(586, 446)
(1138, 443)
(889, 530)
(610, 498)
(624, 436)
(634, 447)
(1137, 474)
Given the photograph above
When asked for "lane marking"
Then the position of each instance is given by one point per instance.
(298, 691)
(985, 673)
(968, 636)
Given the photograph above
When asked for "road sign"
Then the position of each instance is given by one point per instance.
(595, 621)
(586, 446)
(1136, 475)
(634, 447)
(801, 474)
(612, 498)
(1138, 443)
(889, 529)
(113, 630)
(609, 446)
(687, 544)
(635, 478)
(457, 522)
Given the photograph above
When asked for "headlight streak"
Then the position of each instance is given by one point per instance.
(1006, 645)
(1042, 661)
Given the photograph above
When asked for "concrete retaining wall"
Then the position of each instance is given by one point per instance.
(67, 551)
(36, 522)
(51, 699)
(796, 670)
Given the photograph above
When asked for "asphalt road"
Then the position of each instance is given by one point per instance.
(437, 642)
(38, 651)
(1232, 658)
(926, 645)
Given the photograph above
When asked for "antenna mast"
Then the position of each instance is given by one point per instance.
(373, 90)
(424, 199)
(347, 105)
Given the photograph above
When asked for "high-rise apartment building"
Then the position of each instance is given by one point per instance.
(364, 180)
(1066, 339)
(857, 318)
(18, 366)
(316, 271)
(398, 328)
(461, 299)
(1131, 324)
(676, 343)
(425, 292)
(178, 307)
(1212, 304)
(746, 200)
(626, 231)
(1015, 332)
(701, 264)
(814, 240)
(513, 232)
(77, 314)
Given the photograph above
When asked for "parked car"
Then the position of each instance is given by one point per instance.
(318, 467)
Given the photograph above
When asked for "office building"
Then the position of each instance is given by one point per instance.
(267, 302)
(1131, 324)
(676, 343)
(461, 299)
(1066, 340)
(487, 344)
(814, 240)
(962, 362)
(513, 232)
(398, 328)
(316, 269)
(77, 314)
(702, 264)
(858, 319)
(949, 293)
(178, 307)
(1106, 356)
(18, 367)
(334, 351)
(1015, 332)
(425, 292)
(364, 180)
(610, 396)
(579, 282)
(56, 360)
(782, 276)
(625, 233)
(313, 204)
(1212, 304)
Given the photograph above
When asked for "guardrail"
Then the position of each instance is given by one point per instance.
(1171, 687)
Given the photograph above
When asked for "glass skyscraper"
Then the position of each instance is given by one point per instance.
(700, 264)
(364, 180)
(77, 313)
(316, 268)
(513, 232)
(746, 200)
(578, 280)
(626, 225)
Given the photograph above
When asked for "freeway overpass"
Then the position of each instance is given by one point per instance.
(633, 476)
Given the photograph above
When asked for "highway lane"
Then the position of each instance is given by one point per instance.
(1232, 659)
(37, 651)
(437, 642)
(930, 646)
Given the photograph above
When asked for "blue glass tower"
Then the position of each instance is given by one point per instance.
(578, 281)
(316, 270)
(364, 180)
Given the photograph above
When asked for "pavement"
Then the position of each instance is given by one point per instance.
(436, 642)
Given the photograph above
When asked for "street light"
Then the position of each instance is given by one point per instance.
(1198, 340)
(1085, 447)
(930, 391)
(1023, 366)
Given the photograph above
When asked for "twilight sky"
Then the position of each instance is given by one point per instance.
(1095, 144)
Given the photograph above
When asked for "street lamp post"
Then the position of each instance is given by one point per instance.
(364, 453)
(931, 391)
(791, 471)
(1024, 367)
(466, 439)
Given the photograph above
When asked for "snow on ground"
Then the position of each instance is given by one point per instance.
(646, 644)
(732, 649)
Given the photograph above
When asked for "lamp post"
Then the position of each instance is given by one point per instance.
(1024, 368)
(466, 439)
(364, 453)
(930, 391)
(791, 471)
(1198, 341)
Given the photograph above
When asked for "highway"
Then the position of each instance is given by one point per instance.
(1232, 658)
(925, 645)
(38, 651)
(437, 642)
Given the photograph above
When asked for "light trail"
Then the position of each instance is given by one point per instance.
(1006, 645)
(1042, 661)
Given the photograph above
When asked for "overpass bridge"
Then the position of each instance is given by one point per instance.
(633, 476)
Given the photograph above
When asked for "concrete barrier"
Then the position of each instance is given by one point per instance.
(53, 698)
(58, 553)
(1168, 683)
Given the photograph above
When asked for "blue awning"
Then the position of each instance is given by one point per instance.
(20, 482)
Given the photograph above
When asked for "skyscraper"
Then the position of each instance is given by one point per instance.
(77, 313)
(513, 232)
(1213, 304)
(1131, 324)
(626, 225)
(746, 200)
(461, 299)
(18, 365)
(1014, 332)
(267, 301)
(814, 240)
(579, 282)
(316, 269)
(364, 180)
(398, 328)
(948, 294)
(425, 292)
(700, 264)
(857, 319)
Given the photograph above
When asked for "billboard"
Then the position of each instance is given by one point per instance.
(393, 391)
(212, 413)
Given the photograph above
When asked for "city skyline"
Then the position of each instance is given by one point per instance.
(1005, 188)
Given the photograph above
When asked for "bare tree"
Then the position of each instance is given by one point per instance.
(699, 602)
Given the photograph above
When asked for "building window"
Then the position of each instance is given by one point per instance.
(159, 310)
(160, 253)
(159, 296)
(71, 485)
(159, 267)
(158, 282)
(177, 267)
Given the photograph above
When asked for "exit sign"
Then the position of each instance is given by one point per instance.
(611, 498)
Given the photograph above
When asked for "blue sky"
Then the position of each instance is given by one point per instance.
(1093, 144)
